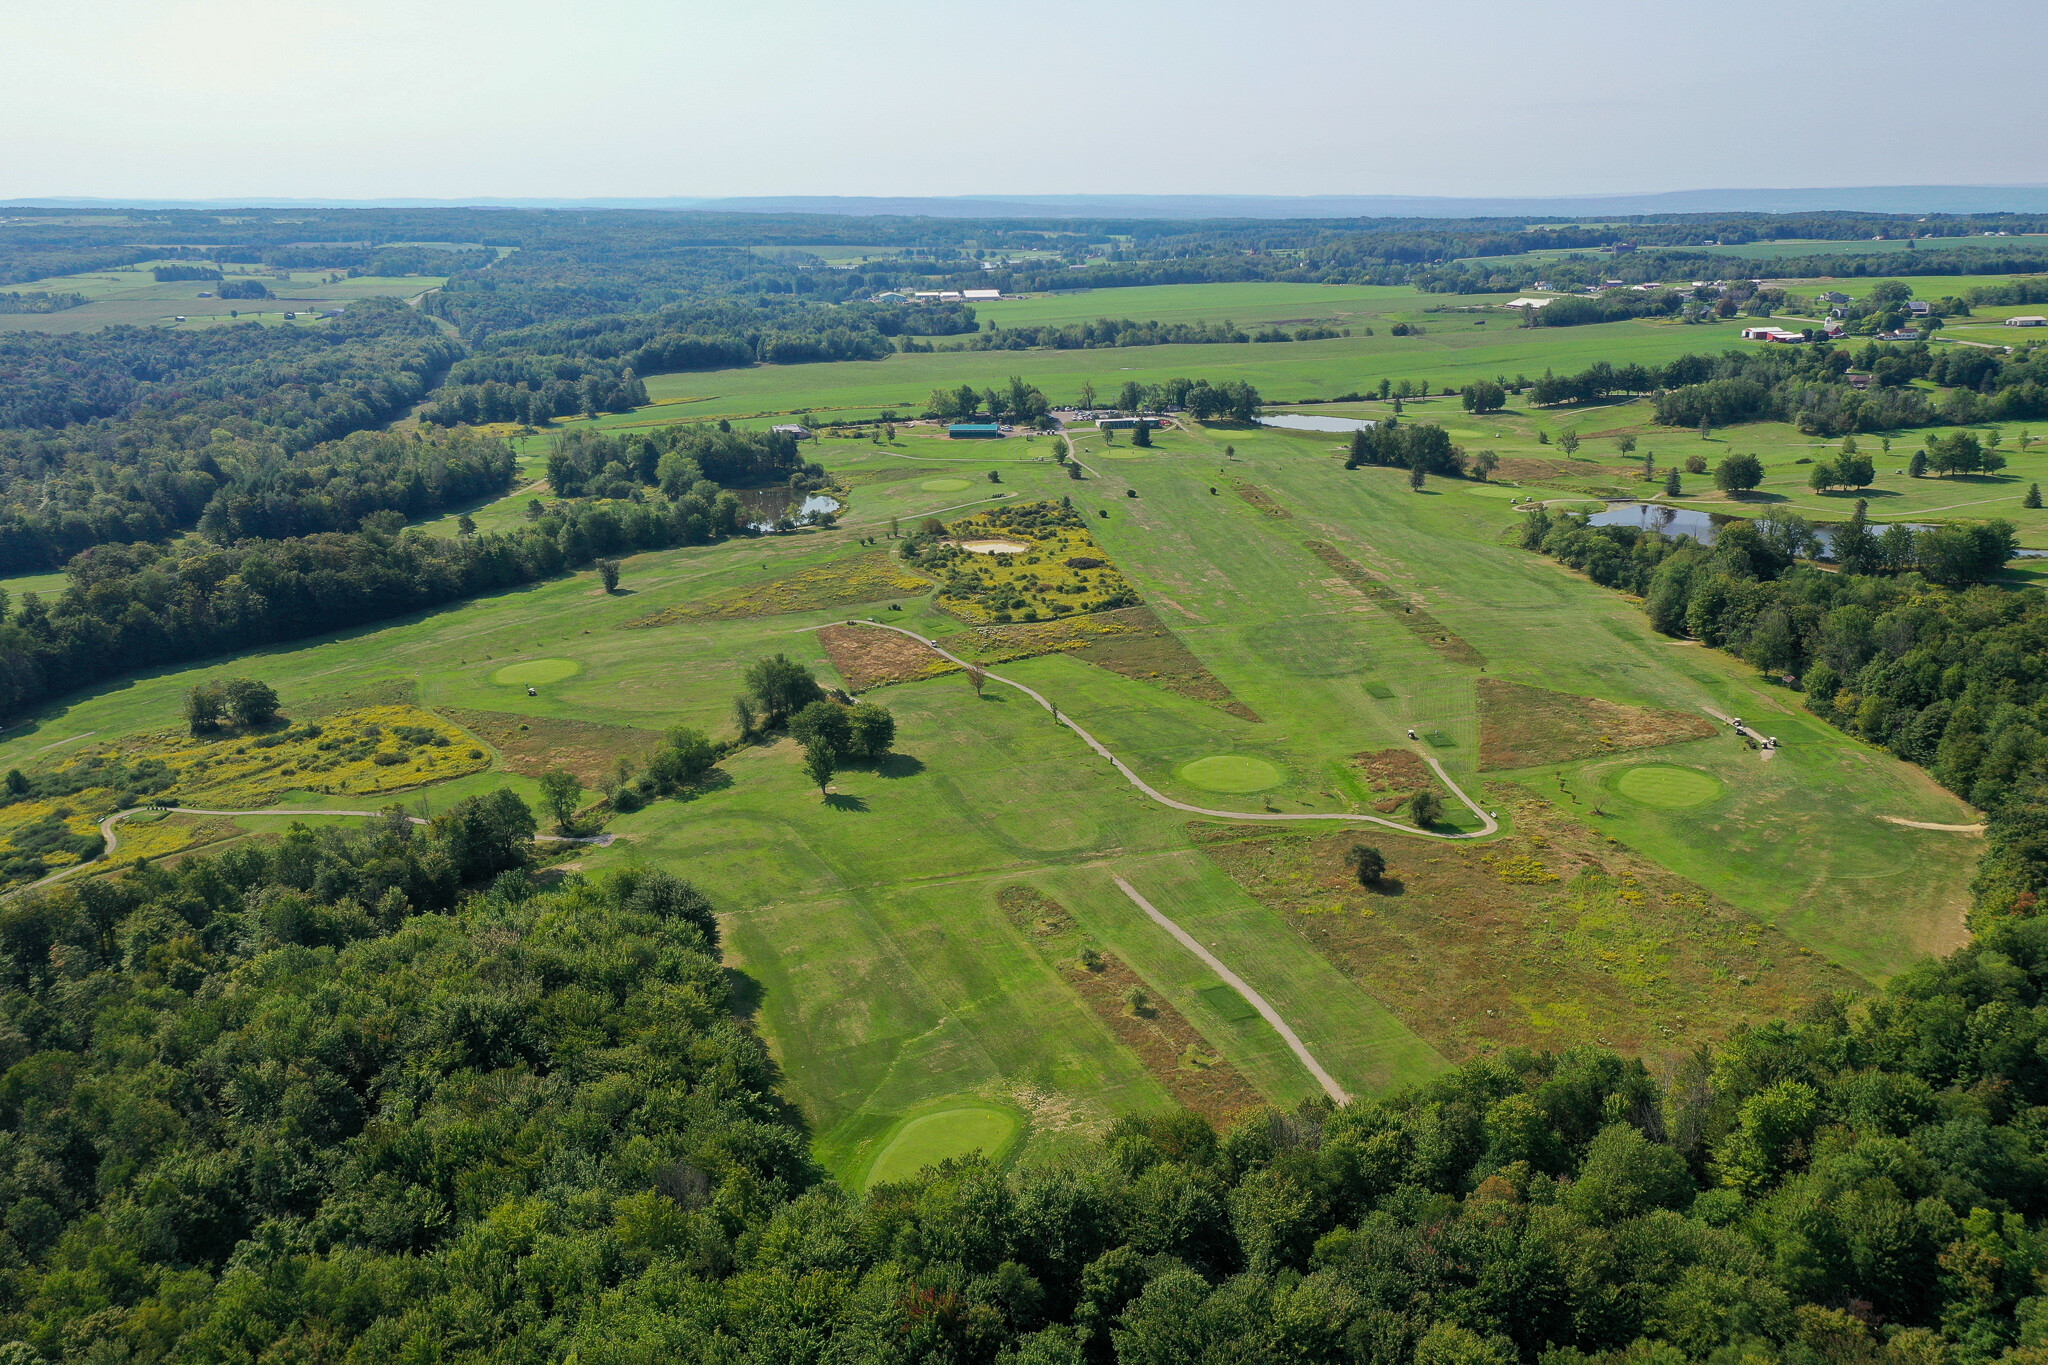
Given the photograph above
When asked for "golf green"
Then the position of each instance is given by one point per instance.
(1668, 787)
(534, 672)
(1494, 490)
(931, 1138)
(1230, 773)
(943, 485)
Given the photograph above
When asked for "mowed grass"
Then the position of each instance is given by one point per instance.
(928, 1139)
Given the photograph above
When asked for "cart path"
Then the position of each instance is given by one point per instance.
(113, 840)
(1928, 824)
(1237, 983)
(1488, 824)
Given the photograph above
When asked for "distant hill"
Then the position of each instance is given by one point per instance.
(1866, 199)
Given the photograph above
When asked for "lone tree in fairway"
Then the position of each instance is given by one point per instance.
(818, 766)
(1738, 473)
(1426, 809)
(1368, 862)
(2033, 498)
(1569, 442)
(1141, 435)
(781, 687)
(1415, 478)
(977, 676)
(608, 570)
(1672, 487)
(559, 793)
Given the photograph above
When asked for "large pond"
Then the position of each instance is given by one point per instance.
(763, 507)
(1295, 421)
(1701, 526)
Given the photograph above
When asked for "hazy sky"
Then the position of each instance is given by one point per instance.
(454, 98)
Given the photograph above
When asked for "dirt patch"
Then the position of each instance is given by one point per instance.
(1131, 641)
(872, 577)
(1432, 632)
(1198, 1077)
(875, 658)
(1524, 727)
(1554, 937)
(1261, 499)
(532, 745)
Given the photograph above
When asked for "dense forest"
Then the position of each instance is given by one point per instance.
(120, 435)
(380, 1094)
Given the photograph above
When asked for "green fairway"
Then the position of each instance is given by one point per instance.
(534, 672)
(1230, 773)
(943, 485)
(1667, 787)
(1232, 1007)
(931, 1138)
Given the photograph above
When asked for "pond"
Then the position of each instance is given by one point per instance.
(763, 507)
(1295, 421)
(1701, 526)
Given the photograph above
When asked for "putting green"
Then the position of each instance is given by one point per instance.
(534, 672)
(1494, 490)
(1230, 773)
(1669, 787)
(943, 485)
(931, 1138)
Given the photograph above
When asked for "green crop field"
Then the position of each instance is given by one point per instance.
(912, 1017)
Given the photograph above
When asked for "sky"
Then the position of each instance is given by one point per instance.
(653, 98)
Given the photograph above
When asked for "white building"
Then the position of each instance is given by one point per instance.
(983, 295)
(2031, 320)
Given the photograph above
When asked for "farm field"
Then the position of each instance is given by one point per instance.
(1454, 350)
(909, 1010)
(132, 297)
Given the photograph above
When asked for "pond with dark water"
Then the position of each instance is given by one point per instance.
(763, 507)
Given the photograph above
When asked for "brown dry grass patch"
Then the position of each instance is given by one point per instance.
(1131, 641)
(1426, 628)
(1525, 727)
(532, 745)
(1261, 499)
(872, 577)
(1517, 468)
(1197, 1077)
(1548, 939)
(1400, 772)
(875, 658)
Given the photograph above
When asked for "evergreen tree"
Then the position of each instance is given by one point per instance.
(2033, 498)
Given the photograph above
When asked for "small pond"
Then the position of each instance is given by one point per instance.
(1701, 525)
(763, 507)
(1295, 421)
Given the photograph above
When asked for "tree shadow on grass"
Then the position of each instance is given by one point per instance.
(846, 801)
(747, 993)
(717, 780)
(1389, 886)
(899, 765)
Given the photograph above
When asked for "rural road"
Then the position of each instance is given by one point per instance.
(1237, 983)
(1488, 824)
(113, 840)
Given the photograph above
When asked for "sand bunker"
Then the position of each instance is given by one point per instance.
(993, 547)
